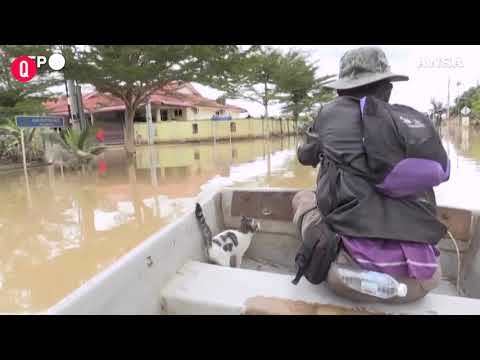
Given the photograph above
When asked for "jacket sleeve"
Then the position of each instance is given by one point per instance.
(308, 154)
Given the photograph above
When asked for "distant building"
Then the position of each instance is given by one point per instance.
(174, 102)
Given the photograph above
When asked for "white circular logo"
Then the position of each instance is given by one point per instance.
(56, 62)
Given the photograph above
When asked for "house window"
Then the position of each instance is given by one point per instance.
(140, 116)
(234, 153)
(178, 113)
(164, 115)
(196, 155)
(195, 128)
(233, 127)
(195, 110)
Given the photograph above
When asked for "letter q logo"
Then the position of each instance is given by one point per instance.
(24, 68)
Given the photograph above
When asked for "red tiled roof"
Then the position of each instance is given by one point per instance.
(169, 95)
(92, 102)
(159, 99)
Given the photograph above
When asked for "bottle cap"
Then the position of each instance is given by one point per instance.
(402, 290)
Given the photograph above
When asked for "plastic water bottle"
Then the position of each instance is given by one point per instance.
(372, 283)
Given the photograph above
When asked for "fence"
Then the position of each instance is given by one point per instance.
(203, 130)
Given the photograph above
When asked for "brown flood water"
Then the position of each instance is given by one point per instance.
(76, 225)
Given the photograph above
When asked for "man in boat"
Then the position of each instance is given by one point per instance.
(379, 225)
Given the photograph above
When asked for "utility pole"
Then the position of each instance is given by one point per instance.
(448, 114)
(448, 99)
(148, 116)
(66, 90)
(75, 102)
(72, 101)
(68, 102)
(81, 112)
(458, 96)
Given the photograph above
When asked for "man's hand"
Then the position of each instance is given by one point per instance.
(308, 154)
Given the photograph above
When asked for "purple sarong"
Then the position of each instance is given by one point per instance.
(396, 258)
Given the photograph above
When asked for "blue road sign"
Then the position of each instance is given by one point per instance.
(39, 121)
(221, 117)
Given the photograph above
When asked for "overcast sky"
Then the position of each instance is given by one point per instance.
(428, 67)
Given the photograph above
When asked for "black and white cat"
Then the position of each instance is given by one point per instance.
(228, 247)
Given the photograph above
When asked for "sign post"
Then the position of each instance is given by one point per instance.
(34, 122)
(23, 151)
(39, 121)
(148, 116)
(29, 195)
(465, 118)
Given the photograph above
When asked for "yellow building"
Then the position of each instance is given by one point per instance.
(178, 113)
(207, 130)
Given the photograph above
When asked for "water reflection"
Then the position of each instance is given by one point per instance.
(463, 146)
(80, 224)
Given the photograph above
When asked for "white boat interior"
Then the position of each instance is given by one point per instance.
(168, 272)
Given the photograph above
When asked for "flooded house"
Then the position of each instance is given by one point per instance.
(179, 113)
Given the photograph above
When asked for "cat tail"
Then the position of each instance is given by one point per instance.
(206, 232)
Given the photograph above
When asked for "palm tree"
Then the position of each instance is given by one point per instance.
(299, 88)
(11, 141)
(437, 109)
(81, 145)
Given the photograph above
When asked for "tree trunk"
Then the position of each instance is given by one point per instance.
(265, 104)
(269, 162)
(129, 132)
(86, 202)
(132, 180)
(295, 117)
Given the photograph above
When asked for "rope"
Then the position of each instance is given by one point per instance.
(458, 262)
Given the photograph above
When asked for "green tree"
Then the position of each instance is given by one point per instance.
(23, 98)
(133, 72)
(10, 142)
(254, 77)
(437, 110)
(299, 87)
(476, 105)
(18, 98)
(221, 100)
(467, 98)
(82, 145)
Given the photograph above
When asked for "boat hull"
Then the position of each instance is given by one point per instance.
(141, 281)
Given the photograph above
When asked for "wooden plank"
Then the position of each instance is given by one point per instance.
(272, 205)
(260, 305)
(268, 205)
(195, 290)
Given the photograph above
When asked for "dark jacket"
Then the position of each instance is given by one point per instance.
(346, 192)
